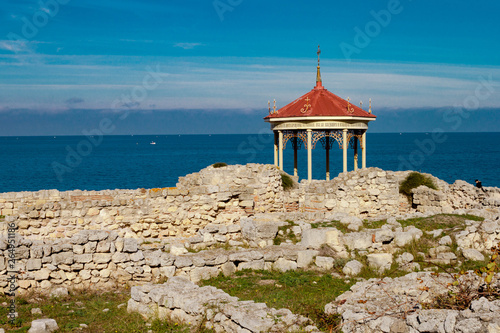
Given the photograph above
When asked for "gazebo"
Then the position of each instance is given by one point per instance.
(319, 116)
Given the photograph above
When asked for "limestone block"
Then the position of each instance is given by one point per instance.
(103, 258)
(446, 240)
(130, 245)
(333, 237)
(42, 274)
(255, 265)
(228, 268)
(203, 273)
(33, 264)
(137, 256)
(83, 258)
(313, 238)
(153, 259)
(305, 258)
(384, 236)
(246, 256)
(43, 326)
(380, 261)
(177, 250)
(352, 268)
(324, 262)
(183, 261)
(284, 265)
(103, 246)
(90, 247)
(473, 254)
(66, 258)
(167, 271)
(92, 212)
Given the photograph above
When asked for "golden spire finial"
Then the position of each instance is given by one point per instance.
(274, 107)
(370, 108)
(318, 73)
(269, 105)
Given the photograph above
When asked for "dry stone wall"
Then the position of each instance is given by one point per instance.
(212, 196)
(217, 197)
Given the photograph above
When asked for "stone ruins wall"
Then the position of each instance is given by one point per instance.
(107, 238)
(212, 196)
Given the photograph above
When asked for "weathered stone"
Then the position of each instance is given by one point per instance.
(324, 262)
(384, 236)
(380, 261)
(352, 268)
(66, 258)
(305, 258)
(43, 326)
(59, 292)
(130, 245)
(473, 254)
(284, 265)
(33, 264)
(228, 269)
(313, 238)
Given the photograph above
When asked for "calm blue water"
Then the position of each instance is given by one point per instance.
(129, 162)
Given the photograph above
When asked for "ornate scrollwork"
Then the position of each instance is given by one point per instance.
(334, 134)
(355, 134)
(350, 109)
(307, 106)
(296, 144)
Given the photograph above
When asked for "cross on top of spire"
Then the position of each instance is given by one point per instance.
(319, 84)
(319, 52)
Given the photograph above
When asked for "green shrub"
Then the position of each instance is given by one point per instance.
(414, 180)
(219, 165)
(286, 182)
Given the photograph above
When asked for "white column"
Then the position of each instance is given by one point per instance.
(344, 147)
(276, 148)
(363, 151)
(309, 155)
(355, 153)
(280, 134)
(327, 157)
(295, 171)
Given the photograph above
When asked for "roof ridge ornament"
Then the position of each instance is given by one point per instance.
(370, 108)
(307, 106)
(274, 107)
(319, 83)
(349, 108)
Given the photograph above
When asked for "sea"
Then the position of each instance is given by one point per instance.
(32, 163)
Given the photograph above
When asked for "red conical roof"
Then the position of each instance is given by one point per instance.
(319, 102)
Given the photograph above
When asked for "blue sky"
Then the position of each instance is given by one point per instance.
(68, 57)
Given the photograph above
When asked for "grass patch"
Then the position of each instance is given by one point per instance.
(333, 224)
(85, 308)
(448, 222)
(219, 165)
(287, 182)
(285, 233)
(281, 290)
(414, 180)
(374, 224)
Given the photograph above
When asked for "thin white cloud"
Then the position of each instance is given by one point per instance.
(17, 46)
(187, 46)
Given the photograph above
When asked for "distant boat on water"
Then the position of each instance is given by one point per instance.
(152, 143)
